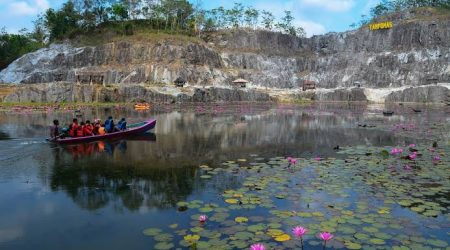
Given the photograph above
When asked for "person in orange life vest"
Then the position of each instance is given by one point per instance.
(88, 128)
(80, 129)
(97, 125)
(101, 130)
(73, 128)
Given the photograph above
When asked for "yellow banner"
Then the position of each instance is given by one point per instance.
(384, 25)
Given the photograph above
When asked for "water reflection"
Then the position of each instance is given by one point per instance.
(150, 174)
(95, 174)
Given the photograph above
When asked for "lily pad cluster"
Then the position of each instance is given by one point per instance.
(365, 197)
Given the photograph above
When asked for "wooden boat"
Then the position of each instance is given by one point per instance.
(133, 129)
(388, 113)
(141, 106)
(415, 110)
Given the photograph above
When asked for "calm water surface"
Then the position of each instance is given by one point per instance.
(102, 195)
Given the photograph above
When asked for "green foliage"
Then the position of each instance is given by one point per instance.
(119, 12)
(62, 23)
(386, 7)
(13, 46)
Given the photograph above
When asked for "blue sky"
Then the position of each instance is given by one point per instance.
(316, 16)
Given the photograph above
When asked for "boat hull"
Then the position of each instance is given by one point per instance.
(148, 125)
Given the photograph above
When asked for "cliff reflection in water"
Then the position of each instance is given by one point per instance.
(95, 174)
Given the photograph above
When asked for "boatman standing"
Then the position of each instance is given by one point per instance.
(54, 130)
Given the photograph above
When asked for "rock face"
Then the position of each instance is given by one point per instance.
(69, 92)
(413, 54)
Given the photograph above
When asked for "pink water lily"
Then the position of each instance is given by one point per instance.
(317, 158)
(202, 218)
(293, 161)
(299, 231)
(436, 158)
(413, 156)
(412, 145)
(257, 246)
(396, 151)
(326, 236)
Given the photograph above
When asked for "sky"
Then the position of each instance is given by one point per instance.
(315, 16)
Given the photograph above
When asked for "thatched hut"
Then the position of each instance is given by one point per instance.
(180, 82)
(241, 82)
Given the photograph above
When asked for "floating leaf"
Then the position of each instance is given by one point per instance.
(377, 241)
(152, 231)
(164, 245)
(282, 237)
(231, 201)
(352, 245)
(240, 219)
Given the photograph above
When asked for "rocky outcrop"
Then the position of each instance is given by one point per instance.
(438, 94)
(68, 92)
(412, 54)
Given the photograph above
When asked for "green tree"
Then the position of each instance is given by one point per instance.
(267, 20)
(60, 24)
(119, 12)
(13, 46)
(251, 16)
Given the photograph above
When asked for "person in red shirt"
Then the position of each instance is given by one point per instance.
(88, 129)
(80, 129)
(73, 128)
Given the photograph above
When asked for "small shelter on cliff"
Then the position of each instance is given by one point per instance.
(241, 82)
(180, 82)
(308, 85)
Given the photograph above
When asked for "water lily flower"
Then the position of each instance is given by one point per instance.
(437, 158)
(317, 158)
(293, 161)
(299, 231)
(396, 151)
(326, 236)
(412, 156)
(202, 218)
(257, 246)
(412, 145)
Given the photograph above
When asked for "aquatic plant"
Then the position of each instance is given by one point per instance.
(326, 236)
(396, 151)
(412, 156)
(202, 218)
(257, 246)
(299, 232)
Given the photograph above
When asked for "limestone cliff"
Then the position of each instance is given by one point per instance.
(409, 62)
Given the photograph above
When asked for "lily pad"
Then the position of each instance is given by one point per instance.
(152, 231)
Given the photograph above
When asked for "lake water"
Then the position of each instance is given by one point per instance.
(104, 195)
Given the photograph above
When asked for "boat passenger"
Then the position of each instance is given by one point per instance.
(97, 125)
(109, 125)
(54, 130)
(88, 128)
(122, 125)
(101, 130)
(73, 128)
(80, 129)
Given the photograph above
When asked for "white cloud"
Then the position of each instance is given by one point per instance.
(27, 8)
(331, 5)
(311, 28)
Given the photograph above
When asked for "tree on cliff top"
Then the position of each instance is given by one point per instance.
(13, 46)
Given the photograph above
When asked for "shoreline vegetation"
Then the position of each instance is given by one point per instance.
(88, 22)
